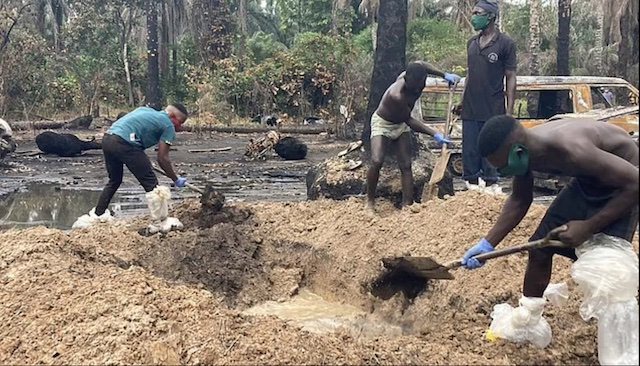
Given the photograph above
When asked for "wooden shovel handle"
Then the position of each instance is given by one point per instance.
(515, 249)
(447, 123)
(188, 185)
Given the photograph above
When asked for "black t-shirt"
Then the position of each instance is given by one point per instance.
(484, 85)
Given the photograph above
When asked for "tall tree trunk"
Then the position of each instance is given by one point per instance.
(154, 96)
(564, 29)
(390, 55)
(127, 25)
(243, 17)
(127, 71)
(624, 48)
(163, 51)
(534, 34)
(599, 37)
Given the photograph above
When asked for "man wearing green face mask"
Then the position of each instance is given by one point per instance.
(491, 57)
(602, 196)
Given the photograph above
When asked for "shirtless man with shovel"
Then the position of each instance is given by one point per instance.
(391, 125)
(602, 196)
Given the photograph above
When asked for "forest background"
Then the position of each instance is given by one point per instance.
(233, 60)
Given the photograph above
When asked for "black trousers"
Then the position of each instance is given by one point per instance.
(117, 154)
(573, 203)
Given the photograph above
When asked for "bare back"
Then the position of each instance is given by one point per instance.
(589, 150)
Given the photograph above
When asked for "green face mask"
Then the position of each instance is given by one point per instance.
(518, 163)
(480, 22)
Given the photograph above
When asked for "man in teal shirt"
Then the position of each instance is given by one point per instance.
(124, 144)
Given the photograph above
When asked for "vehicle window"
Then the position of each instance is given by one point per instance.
(434, 105)
(612, 96)
(542, 104)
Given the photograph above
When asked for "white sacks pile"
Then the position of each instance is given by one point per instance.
(607, 274)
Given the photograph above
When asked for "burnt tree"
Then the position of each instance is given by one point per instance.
(564, 29)
(154, 95)
(390, 55)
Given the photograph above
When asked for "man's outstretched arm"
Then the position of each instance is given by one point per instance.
(514, 209)
(421, 127)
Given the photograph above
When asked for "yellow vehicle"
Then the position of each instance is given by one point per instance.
(540, 99)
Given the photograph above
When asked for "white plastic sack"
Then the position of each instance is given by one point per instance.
(493, 189)
(522, 324)
(166, 225)
(607, 274)
(618, 334)
(158, 201)
(557, 293)
(91, 219)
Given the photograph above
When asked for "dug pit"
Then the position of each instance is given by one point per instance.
(109, 295)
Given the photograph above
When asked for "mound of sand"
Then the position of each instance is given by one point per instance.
(109, 295)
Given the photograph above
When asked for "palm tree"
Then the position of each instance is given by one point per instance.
(620, 18)
(534, 40)
(154, 94)
(564, 27)
(390, 54)
(50, 17)
(172, 26)
(212, 27)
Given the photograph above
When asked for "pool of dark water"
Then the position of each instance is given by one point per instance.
(57, 206)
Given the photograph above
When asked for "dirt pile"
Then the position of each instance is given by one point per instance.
(109, 295)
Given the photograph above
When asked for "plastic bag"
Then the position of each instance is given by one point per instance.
(607, 274)
(493, 189)
(522, 324)
(91, 219)
(618, 334)
(166, 225)
(158, 201)
(557, 293)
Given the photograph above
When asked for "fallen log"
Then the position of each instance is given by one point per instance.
(219, 149)
(36, 125)
(301, 130)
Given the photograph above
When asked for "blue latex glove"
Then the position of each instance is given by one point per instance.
(482, 247)
(440, 139)
(181, 182)
(453, 79)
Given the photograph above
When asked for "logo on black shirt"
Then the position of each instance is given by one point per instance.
(493, 57)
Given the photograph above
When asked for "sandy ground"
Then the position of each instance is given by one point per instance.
(109, 295)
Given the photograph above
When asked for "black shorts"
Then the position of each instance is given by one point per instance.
(573, 203)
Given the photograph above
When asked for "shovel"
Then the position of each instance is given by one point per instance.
(210, 199)
(427, 268)
(441, 165)
(188, 185)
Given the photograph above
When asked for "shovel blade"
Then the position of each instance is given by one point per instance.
(424, 267)
(440, 168)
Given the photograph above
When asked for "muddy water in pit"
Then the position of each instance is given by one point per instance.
(57, 206)
(314, 314)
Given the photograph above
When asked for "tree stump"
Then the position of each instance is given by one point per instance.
(333, 179)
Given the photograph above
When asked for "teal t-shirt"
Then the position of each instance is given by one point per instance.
(144, 127)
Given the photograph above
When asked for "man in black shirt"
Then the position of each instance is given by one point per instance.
(491, 56)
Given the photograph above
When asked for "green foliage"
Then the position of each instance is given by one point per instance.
(297, 81)
(262, 46)
(438, 42)
(300, 16)
(364, 40)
